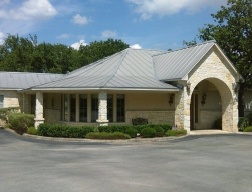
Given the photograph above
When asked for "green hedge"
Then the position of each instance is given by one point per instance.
(56, 130)
(20, 122)
(107, 136)
(148, 133)
(179, 132)
(32, 131)
(4, 112)
(245, 122)
(132, 132)
(114, 128)
(248, 129)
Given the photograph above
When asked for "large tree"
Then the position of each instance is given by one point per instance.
(26, 54)
(232, 31)
(99, 49)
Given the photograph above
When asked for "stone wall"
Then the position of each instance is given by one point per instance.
(154, 117)
(208, 117)
(11, 99)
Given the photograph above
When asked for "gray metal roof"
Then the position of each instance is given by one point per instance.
(24, 80)
(134, 69)
(177, 64)
(128, 69)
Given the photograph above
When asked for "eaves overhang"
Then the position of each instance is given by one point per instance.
(101, 89)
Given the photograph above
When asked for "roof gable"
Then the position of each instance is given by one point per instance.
(175, 65)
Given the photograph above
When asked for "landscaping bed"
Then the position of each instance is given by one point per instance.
(105, 132)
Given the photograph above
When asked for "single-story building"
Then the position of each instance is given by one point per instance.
(190, 88)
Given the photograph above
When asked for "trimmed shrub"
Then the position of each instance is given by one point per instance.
(114, 128)
(20, 122)
(139, 128)
(148, 132)
(32, 131)
(166, 127)
(249, 117)
(132, 132)
(56, 130)
(248, 129)
(179, 132)
(243, 123)
(159, 131)
(107, 136)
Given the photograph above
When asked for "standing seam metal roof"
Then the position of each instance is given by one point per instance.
(129, 68)
(24, 80)
(135, 69)
(177, 64)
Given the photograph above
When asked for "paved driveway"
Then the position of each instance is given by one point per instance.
(195, 163)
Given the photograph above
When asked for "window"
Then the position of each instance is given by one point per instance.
(83, 108)
(94, 108)
(72, 107)
(33, 104)
(120, 108)
(110, 108)
(1, 101)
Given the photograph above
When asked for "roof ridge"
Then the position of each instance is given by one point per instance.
(98, 62)
(117, 66)
(184, 48)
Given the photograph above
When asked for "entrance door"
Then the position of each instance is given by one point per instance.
(194, 111)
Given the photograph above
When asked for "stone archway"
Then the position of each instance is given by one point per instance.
(215, 68)
(210, 101)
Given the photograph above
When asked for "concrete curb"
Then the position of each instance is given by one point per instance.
(118, 141)
(122, 141)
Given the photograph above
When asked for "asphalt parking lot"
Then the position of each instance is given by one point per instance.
(220, 163)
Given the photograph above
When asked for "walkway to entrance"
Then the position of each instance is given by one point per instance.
(208, 132)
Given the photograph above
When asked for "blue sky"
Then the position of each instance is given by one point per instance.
(149, 24)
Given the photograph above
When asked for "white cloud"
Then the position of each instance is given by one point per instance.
(2, 36)
(149, 8)
(22, 17)
(80, 20)
(78, 44)
(2, 2)
(30, 10)
(63, 36)
(108, 34)
(136, 46)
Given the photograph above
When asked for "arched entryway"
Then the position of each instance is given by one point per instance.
(212, 106)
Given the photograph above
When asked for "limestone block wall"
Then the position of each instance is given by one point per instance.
(11, 99)
(154, 117)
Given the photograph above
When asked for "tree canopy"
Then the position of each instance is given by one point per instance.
(232, 31)
(27, 55)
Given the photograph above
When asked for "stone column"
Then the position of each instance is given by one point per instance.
(102, 109)
(39, 109)
(182, 110)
